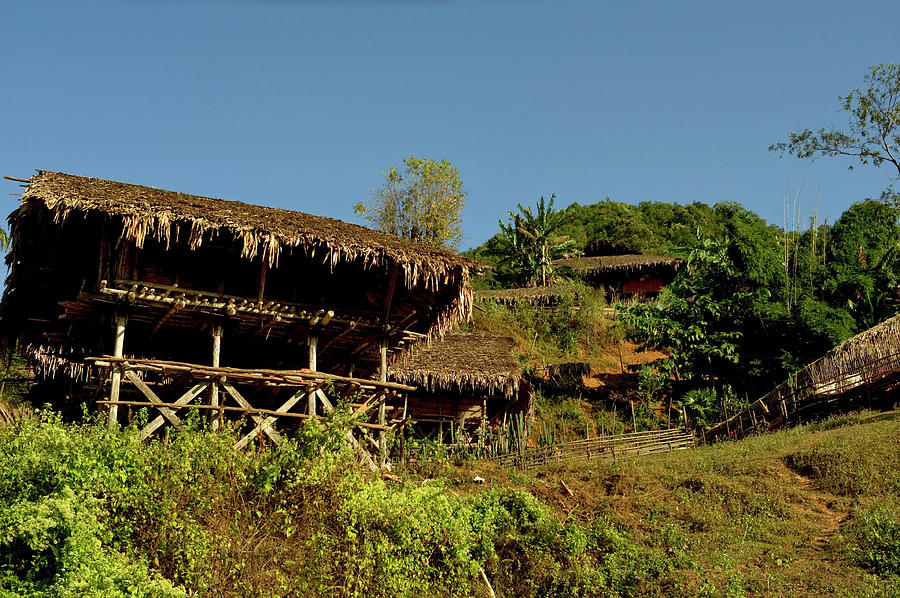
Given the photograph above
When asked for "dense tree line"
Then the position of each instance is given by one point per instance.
(754, 302)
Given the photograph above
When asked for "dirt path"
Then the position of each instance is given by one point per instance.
(822, 512)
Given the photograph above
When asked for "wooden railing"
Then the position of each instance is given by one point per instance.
(800, 395)
(206, 385)
(603, 447)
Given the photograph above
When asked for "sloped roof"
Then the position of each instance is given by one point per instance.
(619, 263)
(147, 211)
(880, 343)
(462, 361)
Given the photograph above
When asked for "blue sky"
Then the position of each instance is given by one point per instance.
(302, 104)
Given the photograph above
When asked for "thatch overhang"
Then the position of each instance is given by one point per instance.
(462, 362)
(85, 247)
(601, 247)
(875, 352)
(620, 264)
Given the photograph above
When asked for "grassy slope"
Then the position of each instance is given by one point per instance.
(802, 512)
(776, 515)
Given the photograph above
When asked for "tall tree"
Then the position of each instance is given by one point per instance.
(530, 243)
(864, 262)
(873, 133)
(423, 202)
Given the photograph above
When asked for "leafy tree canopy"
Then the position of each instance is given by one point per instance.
(864, 262)
(872, 135)
(423, 202)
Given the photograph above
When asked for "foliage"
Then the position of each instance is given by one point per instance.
(89, 511)
(572, 327)
(422, 203)
(874, 538)
(529, 244)
(864, 262)
(872, 135)
(696, 323)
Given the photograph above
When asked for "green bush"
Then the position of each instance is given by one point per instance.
(874, 538)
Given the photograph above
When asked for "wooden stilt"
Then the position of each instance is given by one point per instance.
(214, 386)
(382, 441)
(116, 379)
(313, 348)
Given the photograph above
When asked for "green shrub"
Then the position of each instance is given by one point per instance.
(874, 538)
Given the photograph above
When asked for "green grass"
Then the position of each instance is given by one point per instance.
(805, 512)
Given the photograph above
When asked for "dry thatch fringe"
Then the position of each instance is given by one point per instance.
(879, 342)
(606, 247)
(461, 361)
(47, 361)
(157, 214)
(619, 263)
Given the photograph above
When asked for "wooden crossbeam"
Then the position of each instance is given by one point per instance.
(147, 392)
(263, 424)
(184, 399)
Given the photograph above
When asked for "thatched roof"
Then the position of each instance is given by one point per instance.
(601, 247)
(619, 264)
(526, 296)
(84, 249)
(482, 363)
(155, 213)
(881, 343)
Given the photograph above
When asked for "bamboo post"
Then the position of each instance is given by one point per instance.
(313, 348)
(214, 386)
(116, 380)
(382, 441)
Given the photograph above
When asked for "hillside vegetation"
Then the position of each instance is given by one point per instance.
(87, 511)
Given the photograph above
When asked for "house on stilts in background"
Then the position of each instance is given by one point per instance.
(465, 382)
(623, 272)
(152, 298)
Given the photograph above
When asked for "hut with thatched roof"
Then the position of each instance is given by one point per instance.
(180, 268)
(863, 371)
(622, 271)
(465, 381)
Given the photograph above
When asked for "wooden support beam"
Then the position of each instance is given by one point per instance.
(214, 386)
(147, 392)
(262, 278)
(313, 348)
(382, 439)
(192, 393)
(264, 424)
(116, 378)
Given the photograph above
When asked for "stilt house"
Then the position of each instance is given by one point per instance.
(179, 267)
(465, 381)
(100, 267)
